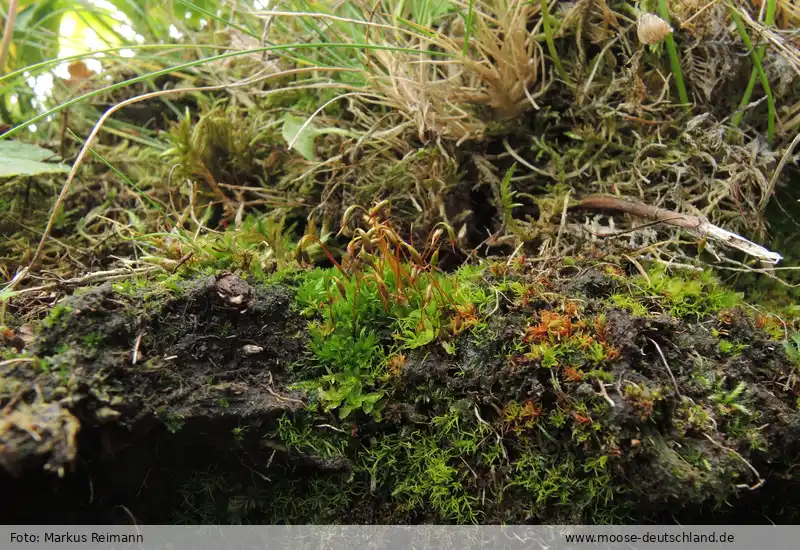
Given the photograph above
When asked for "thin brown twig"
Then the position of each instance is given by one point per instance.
(88, 279)
(669, 370)
(280, 397)
(760, 480)
(135, 358)
(185, 258)
(17, 360)
(14, 400)
(640, 269)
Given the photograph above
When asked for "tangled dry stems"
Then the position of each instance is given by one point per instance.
(425, 105)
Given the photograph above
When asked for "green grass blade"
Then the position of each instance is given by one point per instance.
(467, 28)
(759, 69)
(215, 17)
(135, 188)
(155, 74)
(551, 45)
(57, 61)
(311, 24)
(674, 59)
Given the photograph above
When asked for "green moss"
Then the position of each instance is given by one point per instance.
(309, 101)
(131, 287)
(683, 295)
(225, 329)
(693, 417)
(694, 294)
(224, 143)
(731, 348)
(298, 434)
(731, 401)
(348, 314)
(238, 433)
(92, 340)
(150, 293)
(550, 482)
(201, 497)
(314, 499)
(792, 348)
(430, 469)
(696, 458)
(644, 399)
(58, 316)
(628, 302)
(349, 382)
(439, 412)
(543, 420)
(173, 421)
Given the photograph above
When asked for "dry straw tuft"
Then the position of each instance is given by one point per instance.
(652, 29)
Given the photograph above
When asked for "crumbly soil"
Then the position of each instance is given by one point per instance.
(149, 424)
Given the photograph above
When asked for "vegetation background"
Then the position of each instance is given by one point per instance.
(551, 186)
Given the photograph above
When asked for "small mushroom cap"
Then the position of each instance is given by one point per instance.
(651, 29)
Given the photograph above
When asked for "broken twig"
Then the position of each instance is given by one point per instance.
(695, 224)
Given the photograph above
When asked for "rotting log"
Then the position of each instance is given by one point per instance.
(565, 395)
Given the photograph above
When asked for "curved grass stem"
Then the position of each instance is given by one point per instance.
(279, 49)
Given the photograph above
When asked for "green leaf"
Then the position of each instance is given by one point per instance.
(24, 150)
(23, 159)
(372, 398)
(333, 397)
(302, 141)
(424, 336)
(344, 411)
(37, 31)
